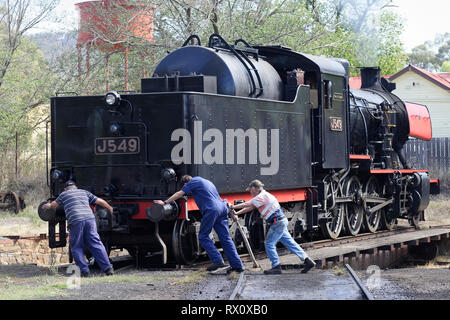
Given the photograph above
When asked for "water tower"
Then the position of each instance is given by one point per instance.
(108, 25)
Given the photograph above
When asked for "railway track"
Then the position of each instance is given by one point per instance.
(359, 283)
(125, 261)
(245, 257)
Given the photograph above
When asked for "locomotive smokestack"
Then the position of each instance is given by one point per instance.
(371, 78)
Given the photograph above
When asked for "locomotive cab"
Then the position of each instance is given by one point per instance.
(328, 83)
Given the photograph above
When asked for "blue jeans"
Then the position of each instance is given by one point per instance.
(83, 235)
(279, 232)
(218, 219)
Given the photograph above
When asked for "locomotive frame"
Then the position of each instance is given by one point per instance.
(321, 183)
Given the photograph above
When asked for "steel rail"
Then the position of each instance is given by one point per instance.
(238, 286)
(331, 243)
(359, 283)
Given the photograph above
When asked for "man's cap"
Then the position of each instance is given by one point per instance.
(255, 184)
(69, 183)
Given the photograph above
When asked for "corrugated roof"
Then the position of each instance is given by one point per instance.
(445, 75)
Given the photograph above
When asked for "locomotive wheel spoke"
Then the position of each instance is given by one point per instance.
(333, 228)
(372, 220)
(386, 223)
(353, 211)
(184, 243)
(414, 220)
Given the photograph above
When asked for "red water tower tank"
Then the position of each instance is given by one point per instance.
(105, 25)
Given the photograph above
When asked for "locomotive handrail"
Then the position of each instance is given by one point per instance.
(238, 56)
(194, 36)
(252, 50)
(46, 151)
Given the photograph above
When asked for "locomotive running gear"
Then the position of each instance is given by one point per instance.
(279, 232)
(84, 233)
(309, 264)
(216, 266)
(76, 205)
(274, 270)
(266, 203)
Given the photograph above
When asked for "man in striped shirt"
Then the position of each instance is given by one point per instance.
(82, 226)
(271, 212)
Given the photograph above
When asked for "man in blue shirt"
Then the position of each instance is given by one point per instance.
(82, 226)
(214, 215)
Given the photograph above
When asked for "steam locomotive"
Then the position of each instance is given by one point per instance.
(232, 113)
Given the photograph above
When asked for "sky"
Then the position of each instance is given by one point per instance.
(422, 19)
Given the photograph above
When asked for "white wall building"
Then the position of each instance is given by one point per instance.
(433, 90)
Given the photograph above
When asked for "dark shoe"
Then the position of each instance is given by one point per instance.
(109, 272)
(309, 264)
(274, 270)
(216, 265)
(237, 270)
(85, 274)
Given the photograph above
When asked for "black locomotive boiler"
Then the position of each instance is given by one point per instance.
(232, 113)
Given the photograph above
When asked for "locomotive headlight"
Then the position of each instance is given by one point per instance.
(112, 98)
(56, 175)
(169, 174)
(114, 128)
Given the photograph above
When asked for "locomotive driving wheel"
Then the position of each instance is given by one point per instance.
(332, 228)
(185, 242)
(353, 210)
(372, 219)
(387, 222)
(414, 220)
(255, 227)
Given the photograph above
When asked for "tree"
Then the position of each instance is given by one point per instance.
(443, 51)
(445, 66)
(25, 79)
(390, 53)
(431, 54)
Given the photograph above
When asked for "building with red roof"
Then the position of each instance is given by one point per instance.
(417, 85)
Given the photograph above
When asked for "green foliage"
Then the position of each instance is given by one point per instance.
(431, 55)
(23, 99)
(363, 32)
(422, 57)
(390, 53)
(445, 66)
